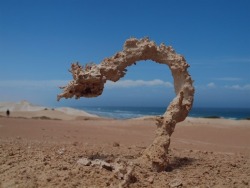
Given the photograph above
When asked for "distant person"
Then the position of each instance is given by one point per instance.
(8, 113)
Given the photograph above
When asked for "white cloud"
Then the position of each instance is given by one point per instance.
(211, 85)
(239, 87)
(36, 84)
(137, 83)
(32, 83)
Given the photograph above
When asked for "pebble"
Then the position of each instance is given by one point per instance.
(175, 183)
(116, 144)
(151, 179)
(84, 161)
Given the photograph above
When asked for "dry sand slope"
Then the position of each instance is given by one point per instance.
(46, 153)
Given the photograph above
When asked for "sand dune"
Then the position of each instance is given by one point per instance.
(19, 106)
(25, 109)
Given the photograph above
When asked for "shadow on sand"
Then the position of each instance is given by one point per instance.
(179, 162)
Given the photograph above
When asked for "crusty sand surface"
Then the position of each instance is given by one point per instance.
(43, 150)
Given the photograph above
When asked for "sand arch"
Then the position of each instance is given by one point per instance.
(89, 81)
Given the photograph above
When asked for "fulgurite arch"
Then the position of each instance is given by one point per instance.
(89, 82)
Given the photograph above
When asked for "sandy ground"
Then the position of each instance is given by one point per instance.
(43, 148)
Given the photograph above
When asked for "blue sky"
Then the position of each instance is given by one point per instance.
(40, 39)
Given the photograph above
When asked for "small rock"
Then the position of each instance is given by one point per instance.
(61, 151)
(102, 164)
(233, 165)
(245, 182)
(96, 162)
(106, 166)
(151, 179)
(116, 144)
(175, 183)
(84, 161)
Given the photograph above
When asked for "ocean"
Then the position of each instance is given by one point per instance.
(134, 112)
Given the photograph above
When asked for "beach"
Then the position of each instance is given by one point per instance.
(44, 148)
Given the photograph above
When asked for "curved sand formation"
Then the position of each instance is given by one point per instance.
(89, 82)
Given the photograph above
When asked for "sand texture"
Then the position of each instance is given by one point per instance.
(80, 151)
